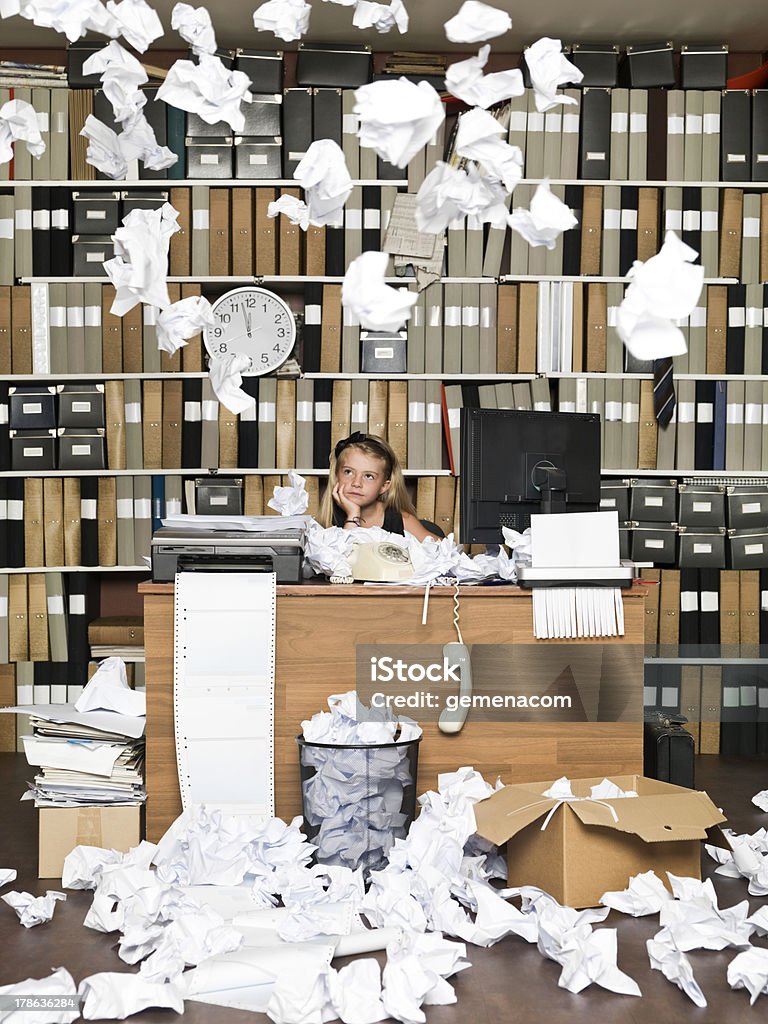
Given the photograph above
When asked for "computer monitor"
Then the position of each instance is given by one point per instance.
(514, 463)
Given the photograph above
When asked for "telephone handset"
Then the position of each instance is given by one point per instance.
(451, 720)
(380, 562)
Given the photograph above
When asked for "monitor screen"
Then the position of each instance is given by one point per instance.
(512, 459)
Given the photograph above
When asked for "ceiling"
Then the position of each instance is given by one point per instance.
(743, 24)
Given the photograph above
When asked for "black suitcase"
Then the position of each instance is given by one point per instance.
(668, 749)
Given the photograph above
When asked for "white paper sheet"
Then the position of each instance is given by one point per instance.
(288, 19)
(209, 89)
(291, 500)
(182, 320)
(59, 983)
(465, 80)
(18, 121)
(547, 218)
(72, 17)
(108, 690)
(477, 21)
(577, 539)
(33, 910)
(194, 26)
(382, 17)
(139, 269)
(139, 23)
(397, 118)
(107, 721)
(549, 69)
(478, 137)
(377, 305)
(322, 173)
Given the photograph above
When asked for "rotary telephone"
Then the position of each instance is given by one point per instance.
(380, 562)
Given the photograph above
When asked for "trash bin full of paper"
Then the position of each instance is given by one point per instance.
(357, 799)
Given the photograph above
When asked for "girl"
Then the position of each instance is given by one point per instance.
(366, 488)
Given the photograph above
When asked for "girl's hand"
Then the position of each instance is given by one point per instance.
(349, 507)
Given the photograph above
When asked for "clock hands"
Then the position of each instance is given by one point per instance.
(247, 319)
(238, 337)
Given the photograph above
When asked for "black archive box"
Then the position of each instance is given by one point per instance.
(297, 128)
(383, 351)
(263, 67)
(89, 253)
(146, 199)
(701, 505)
(702, 548)
(648, 66)
(598, 62)
(653, 501)
(96, 212)
(32, 408)
(197, 128)
(341, 65)
(82, 448)
(33, 450)
(625, 540)
(258, 157)
(614, 497)
(748, 549)
(77, 54)
(221, 497)
(704, 67)
(264, 115)
(81, 405)
(747, 507)
(654, 542)
(209, 158)
(735, 135)
(595, 135)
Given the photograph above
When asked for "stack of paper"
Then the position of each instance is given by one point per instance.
(251, 524)
(90, 757)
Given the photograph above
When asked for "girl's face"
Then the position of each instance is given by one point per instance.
(361, 476)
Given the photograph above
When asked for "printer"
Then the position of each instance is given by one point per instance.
(177, 549)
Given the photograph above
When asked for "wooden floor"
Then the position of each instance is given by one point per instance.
(509, 982)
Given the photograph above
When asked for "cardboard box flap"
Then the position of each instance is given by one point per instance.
(654, 818)
(510, 810)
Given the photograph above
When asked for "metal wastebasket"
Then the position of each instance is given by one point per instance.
(357, 799)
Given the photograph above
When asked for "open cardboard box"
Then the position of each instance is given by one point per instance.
(582, 852)
(64, 828)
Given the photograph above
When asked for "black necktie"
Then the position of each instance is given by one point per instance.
(663, 390)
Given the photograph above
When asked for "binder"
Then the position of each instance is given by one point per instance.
(111, 332)
(248, 427)
(265, 255)
(527, 327)
(57, 619)
(297, 128)
(612, 234)
(686, 420)
(553, 130)
(37, 617)
(749, 617)
(21, 329)
(731, 224)
(750, 239)
(692, 218)
(710, 139)
(142, 517)
(657, 135)
(378, 397)
(349, 141)
(619, 162)
(312, 334)
(180, 251)
(61, 241)
(647, 440)
(690, 701)
(227, 434)
(591, 222)
(595, 154)
(692, 146)
(289, 247)
(433, 331)
(304, 420)
(534, 142)
(444, 503)
(417, 396)
(75, 328)
(133, 340)
(209, 440)
(735, 135)
(315, 251)
(753, 328)
(22, 256)
(219, 235)
(107, 520)
(59, 135)
(330, 329)
(415, 352)
(341, 411)
(115, 417)
(425, 498)
(506, 329)
(669, 612)
(172, 414)
(705, 424)
(53, 520)
(200, 245)
(709, 621)
(191, 427)
(134, 442)
(487, 328)
(92, 330)
(470, 328)
(397, 420)
(735, 335)
(33, 522)
(359, 402)
(18, 631)
(353, 225)
(253, 500)
(6, 240)
(638, 135)
(286, 424)
(689, 610)
(597, 317)
(321, 441)
(267, 420)
(41, 231)
(152, 424)
(717, 321)
(71, 510)
(651, 621)
(166, 363)
(734, 436)
(612, 444)
(89, 520)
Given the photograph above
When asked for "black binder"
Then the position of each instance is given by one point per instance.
(89, 523)
(326, 114)
(16, 559)
(735, 333)
(155, 113)
(628, 228)
(574, 197)
(760, 135)
(41, 231)
(297, 127)
(61, 232)
(735, 135)
(321, 438)
(689, 610)
(704, 443)
(312, 330)
(709, 613)
(248, 428)
(595, 152)
(192, 424)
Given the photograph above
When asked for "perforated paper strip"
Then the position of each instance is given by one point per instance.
(223, 690)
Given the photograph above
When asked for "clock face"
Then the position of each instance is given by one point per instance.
(254, 322)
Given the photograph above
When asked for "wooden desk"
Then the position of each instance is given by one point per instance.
(318, 628)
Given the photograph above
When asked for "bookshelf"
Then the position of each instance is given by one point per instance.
(477, 356)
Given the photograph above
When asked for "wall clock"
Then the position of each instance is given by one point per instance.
(255, 322)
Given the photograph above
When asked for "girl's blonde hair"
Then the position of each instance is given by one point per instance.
(396, 497)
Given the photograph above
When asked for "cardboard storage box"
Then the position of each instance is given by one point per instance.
(583, 852)
(61, 829)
